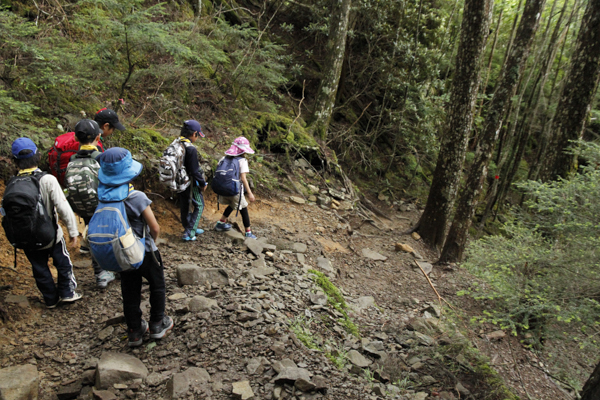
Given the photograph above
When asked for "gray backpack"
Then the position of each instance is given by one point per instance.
(172, 170)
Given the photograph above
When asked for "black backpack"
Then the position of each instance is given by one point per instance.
(26, 222)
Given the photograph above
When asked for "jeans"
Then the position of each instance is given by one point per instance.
(131, 289)
(66, 284)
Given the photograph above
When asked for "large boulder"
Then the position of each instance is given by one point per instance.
(180, 383)
(119, 368)
(191, 274)
(19, 383)
(188, 274)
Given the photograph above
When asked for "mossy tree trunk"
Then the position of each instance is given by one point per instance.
(475, 27)
(509, 78)
(577, 95)
(591, 389)
(335, 50)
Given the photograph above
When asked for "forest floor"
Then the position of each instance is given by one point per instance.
(282, 318)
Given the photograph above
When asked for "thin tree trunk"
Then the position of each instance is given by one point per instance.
(477, 16)
(591, 389)
(336, 48)
(489, 65)
(509, 77)
(577, 95)
(534, 172)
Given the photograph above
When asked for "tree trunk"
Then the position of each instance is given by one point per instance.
(577, 95)
(534, 173)
(507, 86)
(335, 49)
(475, 26)
(591, 389)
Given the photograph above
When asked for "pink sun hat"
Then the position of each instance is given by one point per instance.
(240, 145)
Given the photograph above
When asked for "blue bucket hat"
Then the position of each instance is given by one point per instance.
(21, 144)
(117, 167)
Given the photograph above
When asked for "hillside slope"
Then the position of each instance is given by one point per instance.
(268, 310)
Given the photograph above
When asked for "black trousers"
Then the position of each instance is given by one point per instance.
(66, 284)
(131, 289)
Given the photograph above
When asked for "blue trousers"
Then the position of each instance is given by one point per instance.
(191, 203)
(66, 284)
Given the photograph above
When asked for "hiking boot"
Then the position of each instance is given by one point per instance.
(76, 296)
(136, 337)
(104, 278)
(222, 226)
(188, 238)
(84, 250)
(250, 235)
(199, 231)
(158, 330)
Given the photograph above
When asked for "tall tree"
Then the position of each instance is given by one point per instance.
(577, 95)
(475, 27)
(509, 78)
(335, 49)
(591, 389)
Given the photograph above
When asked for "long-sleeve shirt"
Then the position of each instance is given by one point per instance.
(56, 204)
(191, 164)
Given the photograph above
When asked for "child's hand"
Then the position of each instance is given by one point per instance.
(251, 197)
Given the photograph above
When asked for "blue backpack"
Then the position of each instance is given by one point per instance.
(226, 181)
(113, 244)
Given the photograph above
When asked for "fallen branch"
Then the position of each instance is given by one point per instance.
(440, 299)
(369, 204)
(554, 378)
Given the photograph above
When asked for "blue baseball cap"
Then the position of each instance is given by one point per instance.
(117, 167)
(194, 126)
(21, 144)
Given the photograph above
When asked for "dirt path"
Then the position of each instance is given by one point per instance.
(65, 343)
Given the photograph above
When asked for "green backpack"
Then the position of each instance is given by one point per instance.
(81, 182)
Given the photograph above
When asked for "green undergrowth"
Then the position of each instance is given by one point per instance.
(336, 300)
(300, 326)
(463, 359)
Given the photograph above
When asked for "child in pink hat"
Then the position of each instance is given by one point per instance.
(236, 153)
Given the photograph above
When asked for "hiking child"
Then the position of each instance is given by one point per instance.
(27, 158)
(191, 199)
(236, 155)
(117, 170)
(108, 120)
(81, 181)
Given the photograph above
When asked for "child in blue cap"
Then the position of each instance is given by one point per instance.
(191, 199)
(27, 157)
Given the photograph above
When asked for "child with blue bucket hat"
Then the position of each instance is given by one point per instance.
(117, 170)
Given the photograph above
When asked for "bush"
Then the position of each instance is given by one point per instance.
(544, 269)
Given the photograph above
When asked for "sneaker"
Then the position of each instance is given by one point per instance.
(222, 226)
(158, 330)
(104, 278)
(84, 250)
(52, 305)
(199, 231)
(189, 238)
(250, 235)
(76, 296)
(136, 337)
